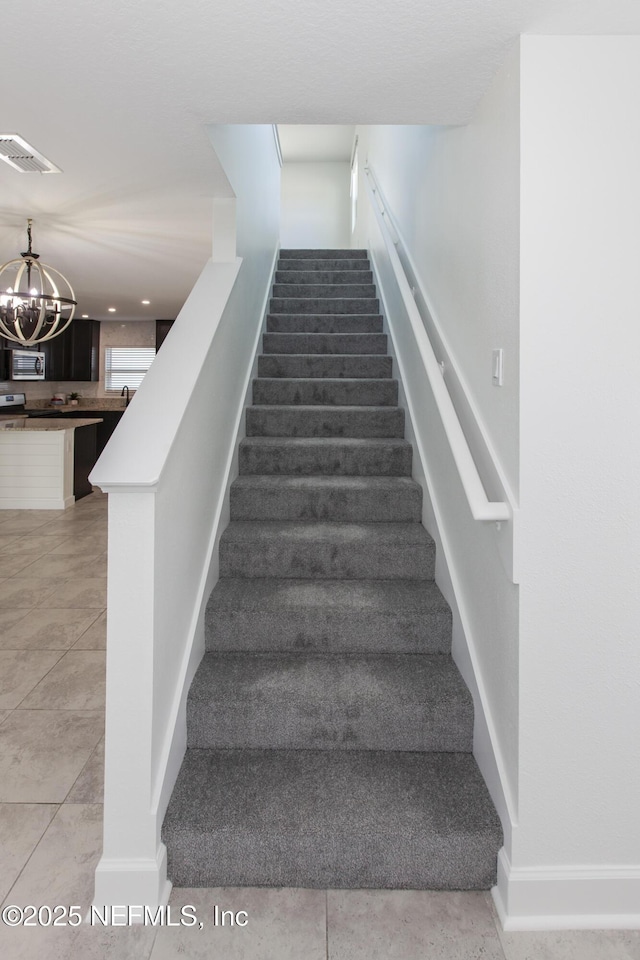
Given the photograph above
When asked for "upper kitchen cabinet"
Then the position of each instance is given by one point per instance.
(74, 355)
(162, 329)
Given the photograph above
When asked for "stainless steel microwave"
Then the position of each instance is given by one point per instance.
(26, 365)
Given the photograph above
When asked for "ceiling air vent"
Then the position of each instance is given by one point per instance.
(23, 157)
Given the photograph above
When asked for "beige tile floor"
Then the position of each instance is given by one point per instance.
(52, 643)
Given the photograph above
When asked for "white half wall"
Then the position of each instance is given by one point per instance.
(315, 210)
(167, 469)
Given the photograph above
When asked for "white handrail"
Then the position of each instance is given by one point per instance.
(481, 507)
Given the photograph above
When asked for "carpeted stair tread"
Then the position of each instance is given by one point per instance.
(333, 366)
(355, 616)
(340, 456)
(324, 343)
(341, 391)
(329, 304)
(323, 276)
(353, 551)
(322, 291)
(288, 253)
(311, 264)
(323, 421)
(337, 499)
(319, 701)
(323, 323)
(331, 818)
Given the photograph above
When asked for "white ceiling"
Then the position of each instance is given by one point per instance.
(307, 142)
(118, 94)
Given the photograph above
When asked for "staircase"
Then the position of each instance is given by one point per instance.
(329, 731)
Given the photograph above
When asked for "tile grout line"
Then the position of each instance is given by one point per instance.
(35, 847)
(326, 923)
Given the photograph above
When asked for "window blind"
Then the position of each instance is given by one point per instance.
(126, 366)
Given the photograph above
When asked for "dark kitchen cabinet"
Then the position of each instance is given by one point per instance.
(110, 420)
(74, 355)
(162, 329)
(84, 457)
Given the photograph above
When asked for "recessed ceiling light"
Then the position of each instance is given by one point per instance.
(111, 309)
(146, 302)
(85, 316)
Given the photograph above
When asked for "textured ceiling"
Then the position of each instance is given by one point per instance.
(117, 94)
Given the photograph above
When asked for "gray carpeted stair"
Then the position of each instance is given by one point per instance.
(340, 457)
(317, 421)
(320, 323)
(334, 367)
(343, 616)
(311, 343)
(366, 499)
(324, 276)
(329, 731)
(340, 391)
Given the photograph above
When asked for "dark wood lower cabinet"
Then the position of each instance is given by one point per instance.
(84, 457)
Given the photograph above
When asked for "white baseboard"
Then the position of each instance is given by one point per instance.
(133, 881)
(37, 503)
(567, 897)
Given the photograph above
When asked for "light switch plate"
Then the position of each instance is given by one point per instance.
(497, 368)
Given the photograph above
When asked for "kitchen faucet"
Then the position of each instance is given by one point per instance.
(122, 393)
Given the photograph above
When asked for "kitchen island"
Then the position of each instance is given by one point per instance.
(44, 463)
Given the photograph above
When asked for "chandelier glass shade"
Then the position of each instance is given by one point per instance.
(37, 302)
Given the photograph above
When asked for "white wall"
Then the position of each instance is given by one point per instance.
(524, 229)
(580, 473)
(248, 156)
(453, 194)
(316, 209)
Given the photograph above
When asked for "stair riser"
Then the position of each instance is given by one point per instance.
(344, 323)
(327, 560)
(325, 343)
(332, 305)
(241, 728)
(324, 291)
(319, 702)
(326, 461)
(327, 366)
(355, 506)
(324, 276)
(312, 392)
(327, 631)
(323, 422)
(293, 254)
(322, 266)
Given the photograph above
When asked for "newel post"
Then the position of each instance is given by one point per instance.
(133, 868)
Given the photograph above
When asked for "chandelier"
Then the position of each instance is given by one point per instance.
(37, 302)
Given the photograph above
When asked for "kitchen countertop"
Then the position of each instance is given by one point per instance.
(39, 424)
(84, 404)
